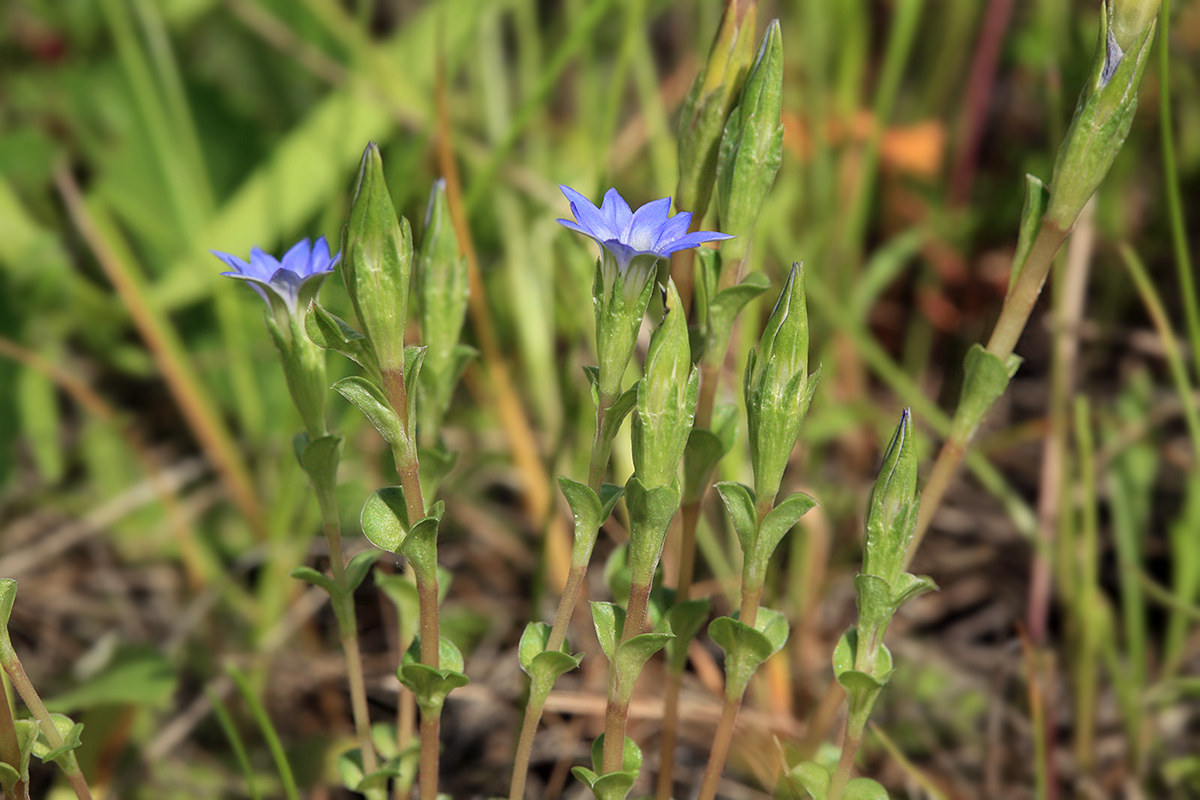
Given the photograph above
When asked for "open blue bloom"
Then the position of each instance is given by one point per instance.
(626, 234)
(295, 278)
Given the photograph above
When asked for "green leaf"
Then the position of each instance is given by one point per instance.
(739, 502)
(650, 515)
(910, 586)
(319, 457)
(728, 303)
(812, 777)
(8, 596)
(864, 789)
(778, 522)
(985, 377)
(70, 733)
(358, 567)
(11, 774)
(333, 333)
(846, 659)
(354, 778)
(1037, 196)
(589, 511)
(403, 594)
(430, 686)
(615, 414)
(137, 675)
(316, 578)
(613, 785)
(435, 463)
(686, 619)
(384, 519)
(608, 619)
(533, 642)
(420, 546)
(704, 450)
(371, 401)
(632, 655)
(745, 647)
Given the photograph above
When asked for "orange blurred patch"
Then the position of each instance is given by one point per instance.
(917, 150)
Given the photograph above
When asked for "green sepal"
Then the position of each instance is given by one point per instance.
(778, 522)
(650, 515)
(10, 774)
(367, 397)
(589, 512)
(746, 648)
(985, 377)
(331, 332)
(354, 778)
(428, 685)
(70, 732)
(540, 663)
(686, 618)
(705, 449)
(613, 785)
(739, 503)
(856, 681)
(615, 414)
(1036, 198)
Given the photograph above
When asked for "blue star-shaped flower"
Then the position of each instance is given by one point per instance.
(296, 277)
(627, 234)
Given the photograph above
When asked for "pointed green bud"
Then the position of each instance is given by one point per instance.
(1129, 19)
(667, 396)
(377, 263)
(709, 102)
(618, 320)
(1105, 110)
(442, 291)
(892, 507)
(752, 146)
(778, 388)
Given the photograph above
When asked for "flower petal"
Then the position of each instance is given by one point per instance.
(694, 240)
(297, 259)
(238, 266)
(262, 265)
(321, 260)
(673, 229)
(617, 214)
(643, 228)
(587, 214)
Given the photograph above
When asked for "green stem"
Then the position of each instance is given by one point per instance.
(10, 745)
(597, 467)
(1014, 315)
(68, 764)
(720, 749)
(1183, 259)
(616, 718)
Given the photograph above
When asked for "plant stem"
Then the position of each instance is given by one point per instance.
(1014, 315)
(616, 718)
(720, 749)
(529, 726)
(29, 695)
(10, 745)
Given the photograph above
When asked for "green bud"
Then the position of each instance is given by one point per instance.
(618, 319)
(377, 263)
(667, 396)
(442, 291)
(892, 507)
(304, 368)
(778, 388)
(1129, 19)
(752, 146)
(709, 102)
(1105, 110)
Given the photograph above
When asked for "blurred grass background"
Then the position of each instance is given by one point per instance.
(150, 503)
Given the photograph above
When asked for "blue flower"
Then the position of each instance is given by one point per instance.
(626, 234)
(295, 278)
